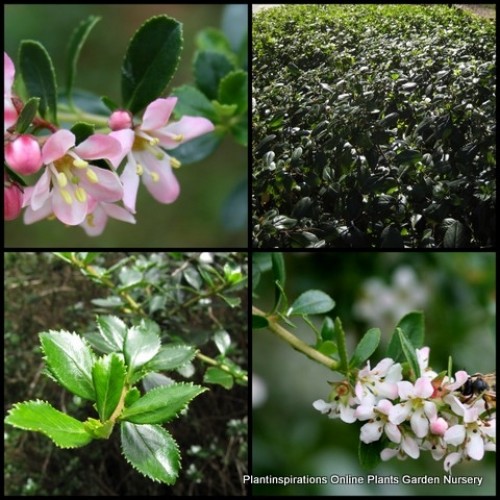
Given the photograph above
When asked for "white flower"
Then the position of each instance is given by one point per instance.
(381, 381)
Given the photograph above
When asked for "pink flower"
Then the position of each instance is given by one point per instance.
(98, 215)
(12, 199)
(10, 113)
(23, 155)
(69, 179)
(147, 160)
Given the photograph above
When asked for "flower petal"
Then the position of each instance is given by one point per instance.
(99, 146)
(118, 213)
(9, 72)
(130, 181)
(166, 189)
(187, 128)
(108, 186)
(41, 191)
(158, 113)
(73, 213)
(57, 145)
(126, 139)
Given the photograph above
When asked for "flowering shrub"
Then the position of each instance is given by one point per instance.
(402, 404)
(88, 159)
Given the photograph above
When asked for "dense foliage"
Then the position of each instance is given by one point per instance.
(373, 126)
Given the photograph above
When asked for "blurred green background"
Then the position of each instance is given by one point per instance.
(456, 291)
(204, 215)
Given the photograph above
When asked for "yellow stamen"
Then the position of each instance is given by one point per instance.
(90, 220)
(138, 169)
(80, 194)
(175, 162)
(159, 155)
(92, 176)
(155, 176)
(79, 163)
(178, 137)
(154, 141)
(62, 180)
(66, 196)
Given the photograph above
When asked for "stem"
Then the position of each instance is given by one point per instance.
(295, 342)
(83, 116)
(222, 366)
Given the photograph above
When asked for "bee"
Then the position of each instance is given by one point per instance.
(480, 386)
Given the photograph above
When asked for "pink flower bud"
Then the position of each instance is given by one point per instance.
(23, 155)
(12, 199)
(120, 119)
(439, 426)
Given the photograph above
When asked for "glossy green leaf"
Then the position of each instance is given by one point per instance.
(113, 331)
(70, 360)
(212, 39)
(230, 301)
(209, 69)
(412, 324)
(108, 374)
(40, 416)
(132, 396)
(151, 450)
(328, 329)
(311, 302)
(456, 236)
(259, 322)
(39, 77)
(222, 340)
(409, 352)
(76, 42)
(341, 343)
(150, 61)
(82, 131)
(366, 347)
(170, 357)
(26, 116)
(161, 404)
(215, 375)
(192, 102)
(140, 346)
(233, 89)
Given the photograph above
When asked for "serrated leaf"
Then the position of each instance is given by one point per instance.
(108, 374)
(40, 416)
(311, 302)
(409, 352)
(70, 360)
(132, 396)
(151, 450)
(209, 69)
(233, 89)
(98, 429)
(170, 357)
(39, 77)
(113, 331)
(153, 380)
(76, 42)
(150, 61)
(222, 340)
(366, 347)
(161, 404)
(215, 375)
(140, 346)
(412, 325)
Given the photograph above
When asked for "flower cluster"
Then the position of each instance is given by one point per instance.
(428, 414)
(70, 186)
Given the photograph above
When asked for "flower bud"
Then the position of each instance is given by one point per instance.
(12, 199)
(23, 155)
(120, 119)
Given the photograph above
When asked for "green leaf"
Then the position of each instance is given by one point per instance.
(340, 335)
(215, 375)
(108, 374)
(240, 132)
(279, 273)
(192, 276)
(39, 77)
(150, 61)
(129, 278)
(259, 322)
(151, 450)
(192, 102)
(161, 404)
(408, 156)
(140, 346)
(230, 301)
(224, 111)
(409, 352)
(233, 89)
(78, 38)
(366, 347)
(456, 236)
(27, 114)
(132, 396)
(170, 357)
(222, 340)
(209, 69)
(40, 416)
(66, 256)
(369, 454)
(198, 149)
(113, 331)
(328, 348)
(70, 361)
(212, 39)
(98, 429)
(111, 105)
(328, 329)
(311, 302)
(412, 325)
(234, 25)
(82, 131)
